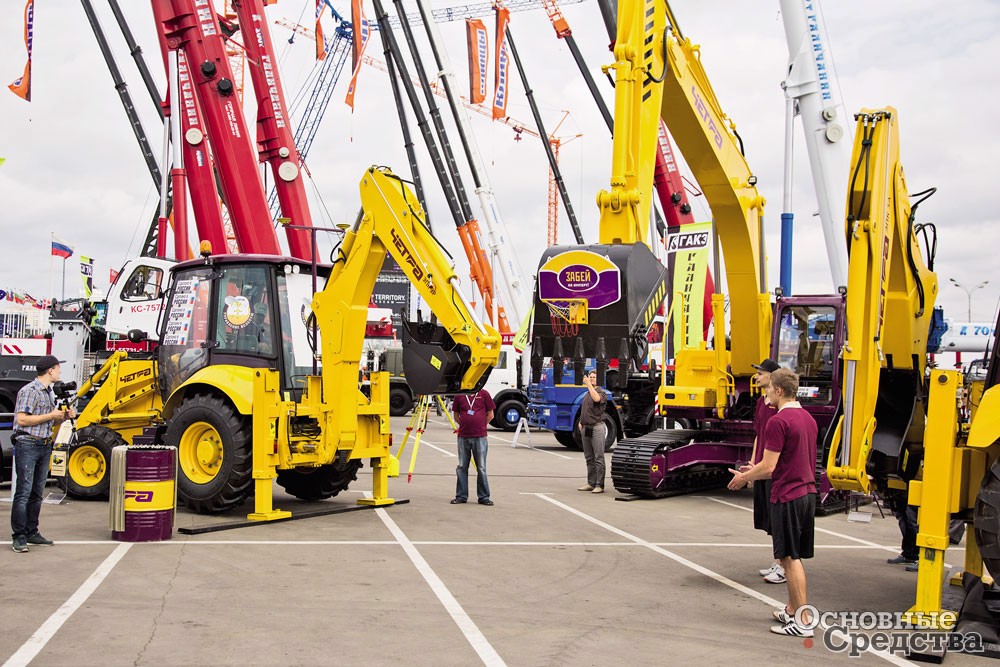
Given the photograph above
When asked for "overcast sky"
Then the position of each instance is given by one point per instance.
(74, 169)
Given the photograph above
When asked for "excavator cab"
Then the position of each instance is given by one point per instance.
(237, 311)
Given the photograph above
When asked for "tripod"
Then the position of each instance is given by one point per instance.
(418, 422)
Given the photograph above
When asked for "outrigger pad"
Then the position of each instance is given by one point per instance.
(432, 362)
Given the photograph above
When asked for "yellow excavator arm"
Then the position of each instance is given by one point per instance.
(455, 356)
(639, 71)
(890, 299)
(712, 150)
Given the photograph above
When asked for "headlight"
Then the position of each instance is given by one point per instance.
(546, 412)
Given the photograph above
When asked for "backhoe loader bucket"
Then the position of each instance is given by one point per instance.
(432, 362)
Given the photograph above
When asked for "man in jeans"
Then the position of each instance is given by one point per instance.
(36, 415)
(593, 433)
(472, 412)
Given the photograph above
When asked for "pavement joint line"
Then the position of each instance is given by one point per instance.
(698, 568)
(36, 642)
(457, 543)
(533, 448)
(443, 451)
(468, 627)
(821, 530)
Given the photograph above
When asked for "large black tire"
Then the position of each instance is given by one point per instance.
(88, 462)
(987, 520)
(566, 439)
(214, 453)
(509, 414)
(318, 483)
(577, 437)
(400, 401)
(612, 433)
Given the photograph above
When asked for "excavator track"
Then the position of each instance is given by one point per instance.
(638, 467)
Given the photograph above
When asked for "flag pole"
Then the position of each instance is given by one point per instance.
(64, 280)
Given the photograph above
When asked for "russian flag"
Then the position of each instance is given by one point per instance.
(61, 249)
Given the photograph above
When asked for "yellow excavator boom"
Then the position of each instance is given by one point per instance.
(890, 299)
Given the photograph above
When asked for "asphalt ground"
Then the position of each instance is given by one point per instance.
(547, 576)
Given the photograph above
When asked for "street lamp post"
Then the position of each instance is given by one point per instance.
(968, 292)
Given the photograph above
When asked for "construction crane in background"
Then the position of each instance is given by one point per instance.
(552, 228)
(235, 52)
(327, 73)
(479, 9)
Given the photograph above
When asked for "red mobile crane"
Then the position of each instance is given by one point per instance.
(190, 27)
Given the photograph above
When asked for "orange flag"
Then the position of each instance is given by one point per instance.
(22, 86)
(479, 58)
(362, 31)
(320, 41)
(502, 65)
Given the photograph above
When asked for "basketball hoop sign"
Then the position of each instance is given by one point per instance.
(580, 274)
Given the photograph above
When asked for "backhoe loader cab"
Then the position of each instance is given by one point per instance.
(238, 310)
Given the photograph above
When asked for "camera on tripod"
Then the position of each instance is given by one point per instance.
(63, 391)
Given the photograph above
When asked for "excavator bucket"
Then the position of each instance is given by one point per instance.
(432, 362)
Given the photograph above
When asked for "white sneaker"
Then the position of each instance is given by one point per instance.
(768, 570)
(791, 629)
(776, 577)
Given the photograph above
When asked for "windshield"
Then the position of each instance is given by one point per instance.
(295, 300)
(806, 346)
(183, 343)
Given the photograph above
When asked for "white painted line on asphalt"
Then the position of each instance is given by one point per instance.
(443, 451)
(820, 530)
(473, 635)
(31, 648)
(726, 581)
(523, 446)
(456, 543)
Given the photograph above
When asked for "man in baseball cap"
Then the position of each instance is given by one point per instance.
(47, 362)
(36, 419)
(773, 573)
(767, 366)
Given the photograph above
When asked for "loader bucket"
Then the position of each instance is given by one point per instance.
(432, 362)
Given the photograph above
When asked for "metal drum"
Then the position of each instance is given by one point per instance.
(143, 492)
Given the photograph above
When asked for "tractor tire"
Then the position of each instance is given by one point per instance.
(88, 462)
(612, 433)
(509, 414)
(318, 483)
(400, 401)
(987, 520)
(214, 453)
(566, 439)
(577, 436)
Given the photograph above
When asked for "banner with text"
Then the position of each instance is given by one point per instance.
(479, 59)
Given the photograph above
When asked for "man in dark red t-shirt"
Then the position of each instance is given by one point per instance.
(790, 461)
(472, 412)
(773, 573)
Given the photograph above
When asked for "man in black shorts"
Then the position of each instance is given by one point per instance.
(773, 573)
(790, 461)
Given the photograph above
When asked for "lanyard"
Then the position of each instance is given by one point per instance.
(471, 401)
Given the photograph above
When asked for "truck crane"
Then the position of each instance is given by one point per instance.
(234, 382)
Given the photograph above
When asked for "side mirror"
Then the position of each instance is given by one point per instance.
(136, 336)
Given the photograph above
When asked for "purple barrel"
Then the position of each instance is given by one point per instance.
(142, 505)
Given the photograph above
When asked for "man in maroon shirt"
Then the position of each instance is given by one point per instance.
(472, 412)
(790, 461)
(773, 573)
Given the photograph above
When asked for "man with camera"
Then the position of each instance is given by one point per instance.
(593, 433)
(36, 417)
